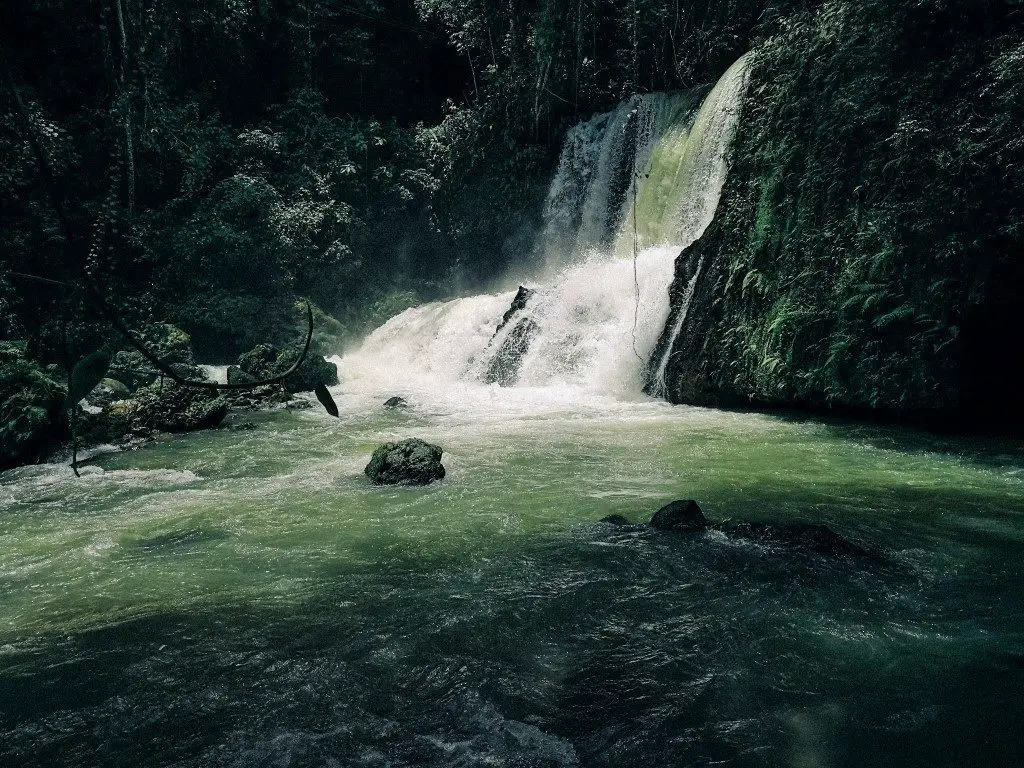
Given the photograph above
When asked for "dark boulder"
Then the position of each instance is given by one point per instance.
(314, 371)
(108, 391)
(396, 402)
(166, 408)
(680, 516)
(259, 361)
(523, 295)
(504, 366)
(409, 462)
(169, 343)
(237, 376)
(266, 361)
(808, 537)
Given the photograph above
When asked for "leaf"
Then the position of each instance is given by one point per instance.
(87, 373)
(324, 396)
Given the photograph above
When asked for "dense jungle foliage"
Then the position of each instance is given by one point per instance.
(218, 158)
(867, 254)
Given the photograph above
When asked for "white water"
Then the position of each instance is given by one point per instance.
(599, 311)
(216, 373)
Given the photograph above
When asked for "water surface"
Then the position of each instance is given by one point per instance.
(247, 598)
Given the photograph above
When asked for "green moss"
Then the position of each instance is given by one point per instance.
(866, 249)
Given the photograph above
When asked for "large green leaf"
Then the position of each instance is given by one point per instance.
(324, 396)
(87, 373)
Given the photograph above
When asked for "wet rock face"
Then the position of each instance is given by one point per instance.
(167, 408)
(523, 295)
(396, 402)
(504, 367)
(680, 516)
(265, 361)
(409, 462)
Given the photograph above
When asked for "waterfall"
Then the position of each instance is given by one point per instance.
(677, 200)
(660, 156)
(589, 200)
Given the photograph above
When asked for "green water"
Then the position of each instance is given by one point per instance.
(247, 598)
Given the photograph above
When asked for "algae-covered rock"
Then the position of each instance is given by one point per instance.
(167, 408)
(266, 361)
(106, 392)
(409, 462)
(31, 407)
(237, 376)
(259, 362)
(169, 343)
(174, 408)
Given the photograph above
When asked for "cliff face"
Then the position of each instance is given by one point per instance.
(867, 251)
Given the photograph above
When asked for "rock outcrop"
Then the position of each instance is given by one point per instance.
(510, 349)
(266, 361)
(156, 408)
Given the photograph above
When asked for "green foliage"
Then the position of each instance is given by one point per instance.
(31, 404)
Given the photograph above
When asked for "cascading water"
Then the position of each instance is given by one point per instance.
(634, 186)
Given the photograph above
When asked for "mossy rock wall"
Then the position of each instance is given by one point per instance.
(867, 250)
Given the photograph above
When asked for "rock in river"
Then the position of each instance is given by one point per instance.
(409, 462)
(680, 516)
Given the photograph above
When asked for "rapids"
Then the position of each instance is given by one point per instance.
(248, 599)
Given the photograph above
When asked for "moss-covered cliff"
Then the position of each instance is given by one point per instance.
(867, 252)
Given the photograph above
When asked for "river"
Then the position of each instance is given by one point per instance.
(247, 598)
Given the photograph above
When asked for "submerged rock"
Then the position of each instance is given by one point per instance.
(409, 462)
(806, 536)
(809, 537)
(615, 520)
(396, 402)
(680, 516)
